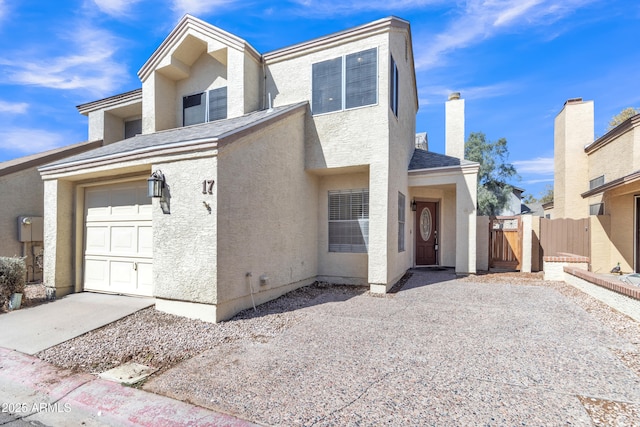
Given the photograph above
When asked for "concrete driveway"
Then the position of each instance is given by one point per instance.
(34, 329)
(440, 352)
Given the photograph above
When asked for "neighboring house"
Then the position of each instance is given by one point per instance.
(514, 203)
(279, 169)
(599, 179)
(21, 209)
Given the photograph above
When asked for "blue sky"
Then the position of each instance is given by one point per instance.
(514, 61)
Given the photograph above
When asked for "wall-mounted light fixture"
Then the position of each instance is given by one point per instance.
(414, 205)
(155, 184)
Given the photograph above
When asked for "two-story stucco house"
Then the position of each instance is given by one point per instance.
(599, 179)
(278, 169)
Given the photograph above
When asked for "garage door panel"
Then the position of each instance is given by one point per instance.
(96, 272)
(145, 240)
(145, 279)
(123, 240)
(118, 239)
(95, 202)
(122, 274)
(97, 239)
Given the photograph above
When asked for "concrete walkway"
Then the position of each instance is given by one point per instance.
(33, 329)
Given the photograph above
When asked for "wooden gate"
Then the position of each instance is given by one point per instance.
(505, 243)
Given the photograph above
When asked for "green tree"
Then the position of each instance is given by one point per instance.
(544, 196)
(622, 116)
(495, 171)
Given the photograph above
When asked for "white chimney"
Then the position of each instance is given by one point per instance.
(454, 126)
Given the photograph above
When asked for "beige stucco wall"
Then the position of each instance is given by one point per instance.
(466, 202)
(342, 138)
(601, 244)
(536, 261)
(401, 147)
(339, 267)
(58, 236)
(620, 206)
(267, 210)
(482, 243)
(614, 160)
(184, 240)
(22, 194)
(573, 130)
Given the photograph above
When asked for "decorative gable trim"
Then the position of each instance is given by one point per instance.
(192, 24)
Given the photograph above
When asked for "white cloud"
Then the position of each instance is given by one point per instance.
(198, 7)
(341, 7)
(539, 166)
(29, 141)
(537, 181)
(13, 107)
(439, 94)
(115, 7)
(89, 65)
(3, 9)
(482, 19)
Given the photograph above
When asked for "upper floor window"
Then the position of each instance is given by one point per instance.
(132, 128)
(345, 82)
(596, 182)
(393, 87)
(204, 107)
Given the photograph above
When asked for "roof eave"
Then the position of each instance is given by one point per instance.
(632, 177)
(471, 167)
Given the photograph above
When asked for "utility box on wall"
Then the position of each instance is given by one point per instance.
(30, 228)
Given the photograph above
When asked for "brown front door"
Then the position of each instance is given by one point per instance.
(426, 233)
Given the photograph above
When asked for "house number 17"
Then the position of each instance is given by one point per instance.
(207, 186)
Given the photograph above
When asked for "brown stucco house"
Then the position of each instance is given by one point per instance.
(599, 179)
(273, 170)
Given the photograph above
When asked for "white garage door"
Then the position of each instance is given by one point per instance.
(118, 239)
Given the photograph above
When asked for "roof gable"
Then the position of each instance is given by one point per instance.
(183, 46)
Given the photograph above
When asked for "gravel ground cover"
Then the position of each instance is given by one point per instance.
(161, 340)
(497, 349)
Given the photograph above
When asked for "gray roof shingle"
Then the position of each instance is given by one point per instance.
(422, 159)
(211, 130)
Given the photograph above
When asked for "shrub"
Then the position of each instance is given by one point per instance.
(12, 276)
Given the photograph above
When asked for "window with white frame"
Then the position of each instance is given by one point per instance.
(401, 220)
(393, 87)
(204, 107)
(349, 220)
(345, 82)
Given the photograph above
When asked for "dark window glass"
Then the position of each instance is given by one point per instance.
(327, 86)
(193, 109)
(361, 78)
(132, 128)
(218, 104)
